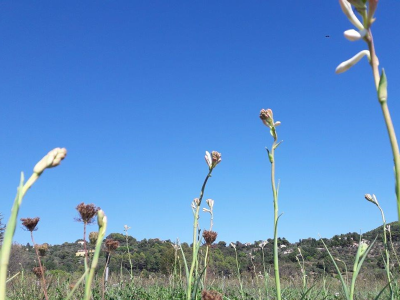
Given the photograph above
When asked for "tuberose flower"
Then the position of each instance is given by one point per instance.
(348, 11)
(344, 66)
(354, 35)
(52, 159)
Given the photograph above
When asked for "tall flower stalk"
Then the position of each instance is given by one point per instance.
(373, 200)
(30, 225)
(52, 159)
(266, 117)
(212, 161)
(364, 32)
(209, 235)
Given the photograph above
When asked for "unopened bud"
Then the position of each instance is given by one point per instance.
(382, 87)
(344, 66)
(354, 35)
(52, 159)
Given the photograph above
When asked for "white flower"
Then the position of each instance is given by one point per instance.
(233, 245)
(126, 227)
(208, 159)
(52, 159)
(210, 203)
(206, 210)
(348, 11)
(354, 35)
(344, 66)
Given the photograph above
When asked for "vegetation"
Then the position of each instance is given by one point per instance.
(155, 269)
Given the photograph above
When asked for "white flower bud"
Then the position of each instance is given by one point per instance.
(210, 203)
(52, 159)
(344, 66)
(354, 35)
(348, 11)
(208, 159)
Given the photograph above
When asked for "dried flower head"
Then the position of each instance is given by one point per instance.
(43, 248)
(38, 271)
(111, 245)
(93, 237)
(30, 223)
(209, 236)
(126, 227)
(86, 212)
(210, 295)
(233, 245)
(52, 159)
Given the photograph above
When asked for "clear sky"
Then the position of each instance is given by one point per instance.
(137, 91)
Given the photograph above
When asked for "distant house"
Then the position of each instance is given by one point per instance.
(80, 242)
(82, 252)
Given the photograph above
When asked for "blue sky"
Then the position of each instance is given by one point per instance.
(137, 91)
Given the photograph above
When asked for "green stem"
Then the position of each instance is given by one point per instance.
(102, 231)
(10, 230)
(195, 242)
(387, 118)
(238, 271)
(275, 196)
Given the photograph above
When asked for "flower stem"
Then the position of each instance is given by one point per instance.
(195, 242)
(388, 120)
(275, 196)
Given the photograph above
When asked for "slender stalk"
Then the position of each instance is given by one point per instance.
(195, 247)
(276, 216)
(387, 118)
(129, 253)
(44, 285)
(238, 272)
(102, 221)
(10, 229)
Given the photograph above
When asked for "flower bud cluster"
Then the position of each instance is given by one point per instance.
(363, 27)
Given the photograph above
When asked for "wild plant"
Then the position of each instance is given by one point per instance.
(52, 159)
(364, 32)
(302, 268)
(266, 274)
(238, 271)
(209, 236)
(389, 276)
(362, 252)
(30, 225)
(126, 228)
(212, 161)
(110, 246)
(87, 212)
(266, 117)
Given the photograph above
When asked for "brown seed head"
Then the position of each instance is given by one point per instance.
(210, 295)
(38, 271)
(209, 236)
(111, 245)
(93, 237)
(87, 212)
(43, 248)
(30, 223)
